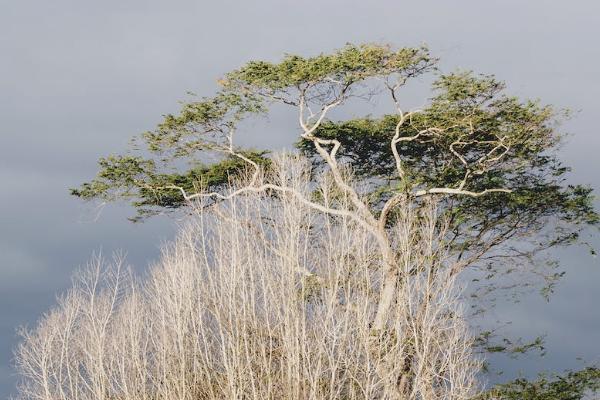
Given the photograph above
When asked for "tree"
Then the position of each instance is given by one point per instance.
(470, 142)
(489, 159)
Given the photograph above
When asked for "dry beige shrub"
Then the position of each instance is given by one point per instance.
(263, 296)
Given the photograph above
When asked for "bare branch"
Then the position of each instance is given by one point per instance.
(262, 297)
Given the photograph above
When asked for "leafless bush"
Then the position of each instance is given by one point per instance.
(263, 297)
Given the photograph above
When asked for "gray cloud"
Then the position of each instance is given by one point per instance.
(77, 79)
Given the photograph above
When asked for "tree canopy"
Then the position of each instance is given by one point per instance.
(491, 156)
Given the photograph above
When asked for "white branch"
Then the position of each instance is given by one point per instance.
(460, 192)
(267, 186)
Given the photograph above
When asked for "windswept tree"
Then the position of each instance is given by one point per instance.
(491, 158)
(488, 159)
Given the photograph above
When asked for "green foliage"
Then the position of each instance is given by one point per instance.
(572, 386)
(150, 191)
(475, 116)
(486, 341)
(348, 65)
(482, 138)
(201, 125)
(148, 181)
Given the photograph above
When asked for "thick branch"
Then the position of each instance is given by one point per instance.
(270, 186)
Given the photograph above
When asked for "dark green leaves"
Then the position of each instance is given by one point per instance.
(119, 176)
(152, 191)
(571, 386)
(486, 140)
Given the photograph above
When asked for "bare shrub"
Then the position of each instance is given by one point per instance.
(264, 297)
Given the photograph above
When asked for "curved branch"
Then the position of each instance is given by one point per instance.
(267, 186)
(460, 192)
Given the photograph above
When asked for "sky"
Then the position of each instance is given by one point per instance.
(79, 78)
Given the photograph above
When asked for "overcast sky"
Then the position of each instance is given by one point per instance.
(78, 78)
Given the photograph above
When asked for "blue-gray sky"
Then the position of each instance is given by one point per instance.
(78, 78)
